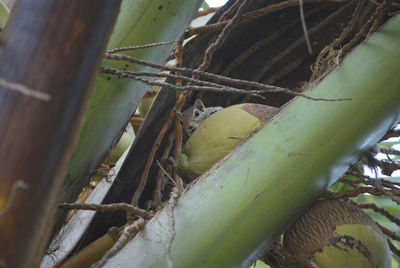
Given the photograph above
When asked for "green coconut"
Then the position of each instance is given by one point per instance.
(116, 152)
(334, 234)
(145, 104)
(126, 139)
(219, 134)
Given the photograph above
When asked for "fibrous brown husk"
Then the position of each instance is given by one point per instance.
(312, 231)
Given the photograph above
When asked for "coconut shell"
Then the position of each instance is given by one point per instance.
(145, 104)
(219, 134)
(126, 139)
(334, 233)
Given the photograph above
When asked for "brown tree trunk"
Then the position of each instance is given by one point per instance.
(54, 48)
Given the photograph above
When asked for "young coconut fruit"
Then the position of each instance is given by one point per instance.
(126, 139)
(118, 149)
(334, 233)
(145, 104)
(218, 134)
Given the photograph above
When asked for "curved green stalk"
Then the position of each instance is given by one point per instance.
(238, 208)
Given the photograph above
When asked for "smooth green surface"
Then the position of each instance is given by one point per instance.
(235, 211)
(145, 104)
(214, 138)
(126, 139)
(370, 249)
(259, 264)
(114, 100)
(4, 14)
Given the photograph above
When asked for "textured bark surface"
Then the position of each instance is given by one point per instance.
(53, 47)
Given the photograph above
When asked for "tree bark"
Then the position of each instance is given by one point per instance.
(53, 48)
